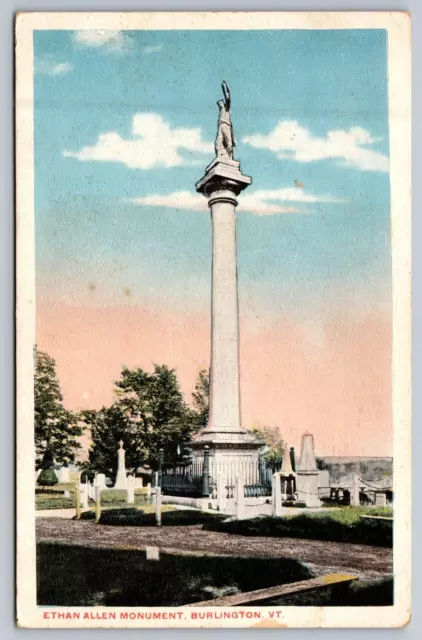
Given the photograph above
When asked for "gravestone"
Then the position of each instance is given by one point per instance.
(63, 474)
(277, 500)
(121, 479)
(307, 475)
(131, 490)
(381, 499)
(100, 481)
(153, 553)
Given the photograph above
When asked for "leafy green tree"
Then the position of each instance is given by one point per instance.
(149, 414)
(56, 429)
(275, 447)
(201, 398)
(106, 427)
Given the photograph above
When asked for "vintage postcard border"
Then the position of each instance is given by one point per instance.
(399, 81)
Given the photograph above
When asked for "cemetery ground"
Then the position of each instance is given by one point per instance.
(83, 563)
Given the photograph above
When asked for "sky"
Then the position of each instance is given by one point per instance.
(124, 126)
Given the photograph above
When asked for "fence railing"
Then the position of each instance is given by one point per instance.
(199, 477)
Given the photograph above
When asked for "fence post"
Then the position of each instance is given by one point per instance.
(206, 473)
(221, 492)
(158, 506)
(354, 491)
(97, 501)
(160, 466)
(78, 498)
(277, 506)
(240, 499)
(85, 495)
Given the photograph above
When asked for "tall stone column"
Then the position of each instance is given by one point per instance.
(222, 182)
(232, 448)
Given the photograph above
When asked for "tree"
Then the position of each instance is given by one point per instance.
(56, 429)
(201, 398)
(107, 427)
(149, 413)
(275, 447)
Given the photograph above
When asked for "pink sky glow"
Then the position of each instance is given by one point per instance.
(334, 382)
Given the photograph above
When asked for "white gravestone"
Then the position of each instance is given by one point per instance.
(63, 474)
(131, 490)
(381, 499)
(153, 553)
(100, 481)
(121, 479)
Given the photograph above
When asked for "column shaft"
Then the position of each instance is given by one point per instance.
(224, 389)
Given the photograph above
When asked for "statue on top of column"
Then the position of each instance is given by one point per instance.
(225, 142)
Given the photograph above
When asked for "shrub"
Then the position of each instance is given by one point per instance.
(47, 478)
(137, 517)
(113, 496)
(340, 526)
(86, 515)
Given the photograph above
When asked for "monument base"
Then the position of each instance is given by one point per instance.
(307, 483)
(232, 454)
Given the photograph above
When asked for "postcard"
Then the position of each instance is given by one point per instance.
(213, 319)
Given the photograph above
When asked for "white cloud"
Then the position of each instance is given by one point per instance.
(50, 67)
(105, 40)
(153, 144)
(259, 202)
(152, 49)
(176, 200)
(290, 140)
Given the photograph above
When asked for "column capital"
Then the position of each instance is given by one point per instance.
(223, 176)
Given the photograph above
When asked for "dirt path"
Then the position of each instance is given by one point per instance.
(325, 557)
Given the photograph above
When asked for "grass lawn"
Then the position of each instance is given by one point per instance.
(79, 576)
(54, 499)
(342, 525)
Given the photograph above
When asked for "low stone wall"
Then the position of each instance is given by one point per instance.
(196, 503)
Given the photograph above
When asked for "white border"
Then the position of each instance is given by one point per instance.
(399, 84)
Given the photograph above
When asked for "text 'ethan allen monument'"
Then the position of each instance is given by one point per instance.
(228, 442)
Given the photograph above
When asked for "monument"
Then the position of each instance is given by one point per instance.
(121, 479)
(308, 476)
(231, 446)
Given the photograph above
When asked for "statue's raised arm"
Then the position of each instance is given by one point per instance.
(226, 94)
(225, 141)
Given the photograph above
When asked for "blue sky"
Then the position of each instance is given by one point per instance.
(124, 127)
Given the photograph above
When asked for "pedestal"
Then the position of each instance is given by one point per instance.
(307, 483)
